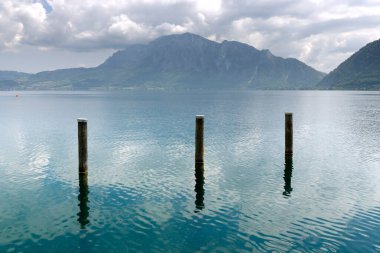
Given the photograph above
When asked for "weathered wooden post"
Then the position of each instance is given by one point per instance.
(288, 134)
(82, 145)
(199, 148)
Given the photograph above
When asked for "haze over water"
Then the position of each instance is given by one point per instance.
(142, 195)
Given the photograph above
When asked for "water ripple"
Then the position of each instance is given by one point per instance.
(142, 192)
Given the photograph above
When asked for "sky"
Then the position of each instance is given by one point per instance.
(38, 35)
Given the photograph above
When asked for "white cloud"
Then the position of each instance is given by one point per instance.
(209, 6)
(124, 27)
(19, 20)
(319, 32)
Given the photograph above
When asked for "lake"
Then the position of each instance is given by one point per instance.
(142, 194)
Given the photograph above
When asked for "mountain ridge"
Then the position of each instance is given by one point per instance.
(183, 61)
(361, 71)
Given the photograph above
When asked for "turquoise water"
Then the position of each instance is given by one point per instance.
(142, 193)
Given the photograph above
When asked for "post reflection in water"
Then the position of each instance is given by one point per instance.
(288, 175)
(199, 190)
(83, 200)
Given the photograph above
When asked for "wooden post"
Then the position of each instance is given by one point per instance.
(82, 145)
(288, 134)
(199, 148)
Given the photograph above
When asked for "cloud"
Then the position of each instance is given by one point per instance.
(18, 21)
(320, 32)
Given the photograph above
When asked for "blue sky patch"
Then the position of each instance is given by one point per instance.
(46, 5)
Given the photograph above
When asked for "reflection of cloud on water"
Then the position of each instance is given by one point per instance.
(20, 142)
(2, 160)
(25, 160)
(38, 162)
(218, 196)
(247, 144)
(178, 150)
(125, 152)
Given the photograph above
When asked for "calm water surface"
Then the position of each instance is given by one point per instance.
(142, 193)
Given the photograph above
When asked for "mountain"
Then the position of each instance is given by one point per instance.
(12, 75)
(185, 61)
(361, 71)
(10, 80)
(191, 61)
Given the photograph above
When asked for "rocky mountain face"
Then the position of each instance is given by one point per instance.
(190, 61)
(185, 61)
(361, 71)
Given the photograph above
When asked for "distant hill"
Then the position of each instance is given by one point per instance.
(359, 72)
(12, 75)
(185, 61)
(10, 80)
